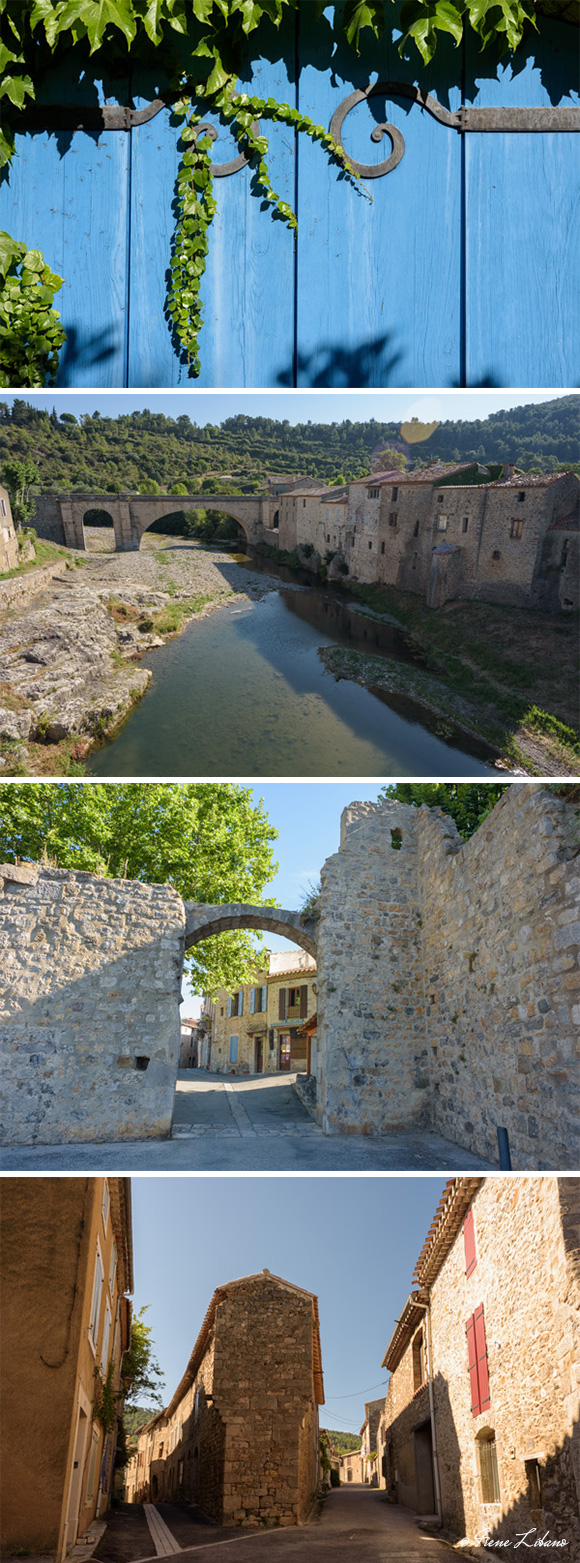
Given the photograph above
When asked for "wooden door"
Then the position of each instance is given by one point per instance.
(460, 266)
(284, 1052)
(259, 1065)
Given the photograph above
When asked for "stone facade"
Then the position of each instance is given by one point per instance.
(488, 1412)
(8, 538)
(257, 1029)
(369, 1459)
(240, 1436)
(89, 1017)
(66, 1322)
(443, 533)
(351, 1467)
(448, 976)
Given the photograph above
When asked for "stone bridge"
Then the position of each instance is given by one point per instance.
(203, 921)
(60, 517)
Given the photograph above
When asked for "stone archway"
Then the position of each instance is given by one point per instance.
(98, 530)
(202, 921)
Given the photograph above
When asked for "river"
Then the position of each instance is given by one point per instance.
(243, 693)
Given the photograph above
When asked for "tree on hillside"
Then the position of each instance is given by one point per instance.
(209, 840)
(17, 477)
(390, 458)
(468, 803)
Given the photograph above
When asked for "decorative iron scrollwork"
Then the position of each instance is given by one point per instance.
(465, 119)
(115, 116)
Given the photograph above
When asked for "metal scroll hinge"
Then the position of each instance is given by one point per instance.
(113, 116)
(539, 120)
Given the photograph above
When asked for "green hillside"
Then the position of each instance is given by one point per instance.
(344, 1443)
(142, 450)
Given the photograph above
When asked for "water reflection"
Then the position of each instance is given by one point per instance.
(244, 693)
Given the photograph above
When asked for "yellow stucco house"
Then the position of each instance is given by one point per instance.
(258, 1029)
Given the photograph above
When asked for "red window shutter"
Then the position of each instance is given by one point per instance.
(469, 1243)
(472, 1361)
(481, 1351)
(282, 1004)
(303, 1003)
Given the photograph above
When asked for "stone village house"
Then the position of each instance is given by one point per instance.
(258, 1028)
(351, 1467)
(369, 1442)
(442, 532)
(481, 1418)
(65, 1325)
(240, 1437)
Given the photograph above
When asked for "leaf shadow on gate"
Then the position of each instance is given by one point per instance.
(373, 362)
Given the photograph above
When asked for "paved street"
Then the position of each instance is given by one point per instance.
(355, 1525)
(254, 1124)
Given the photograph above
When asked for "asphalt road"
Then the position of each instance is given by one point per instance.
(355, 1525)
(253, 1124)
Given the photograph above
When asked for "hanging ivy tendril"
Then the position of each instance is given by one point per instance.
(197, 205)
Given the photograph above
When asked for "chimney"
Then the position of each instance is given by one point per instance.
(507, 471)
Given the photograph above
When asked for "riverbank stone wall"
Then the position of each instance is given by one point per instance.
(89, 1006)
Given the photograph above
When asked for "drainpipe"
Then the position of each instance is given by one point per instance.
(436, 1483)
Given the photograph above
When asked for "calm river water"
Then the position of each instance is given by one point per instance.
(244, 693)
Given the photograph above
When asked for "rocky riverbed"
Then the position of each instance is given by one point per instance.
(69, 658)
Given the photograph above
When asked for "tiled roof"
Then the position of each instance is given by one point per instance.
(528, 480)
(455, 1201)
(430, 474)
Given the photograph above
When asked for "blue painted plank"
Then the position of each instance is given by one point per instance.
(378, 283)
(248, 288)
(67, 195)
(523, 224)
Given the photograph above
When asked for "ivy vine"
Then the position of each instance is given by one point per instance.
(201, 46)
(31, 334)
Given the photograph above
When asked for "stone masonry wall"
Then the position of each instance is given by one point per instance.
(372, 1056)
(89, 1016)
(501, 936)
(263, 1389)
(448, 976)
(527, 1276)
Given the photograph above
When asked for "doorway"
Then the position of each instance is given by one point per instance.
(284, 1059)
(259, 1059)
(74, 1498)
(424, 1469)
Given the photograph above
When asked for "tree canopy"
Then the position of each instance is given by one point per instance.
(137, 449)
(207, 839)
(468, 803)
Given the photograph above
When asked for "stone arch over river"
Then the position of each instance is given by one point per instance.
(61, 517)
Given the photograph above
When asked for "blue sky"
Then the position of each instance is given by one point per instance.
(307, 817)
(353, 1241)
(297, 406)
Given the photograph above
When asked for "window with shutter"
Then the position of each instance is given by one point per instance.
(240, 1010)
(264, 1004)
(477, 1362)
(230, 1006)
(469, 1243)
(253, 992)
(304, 1002)
(282, 1004)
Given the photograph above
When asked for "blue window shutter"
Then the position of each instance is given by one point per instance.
(241, 1002)
(230, 1003)
(252, 1001)
(264, 999)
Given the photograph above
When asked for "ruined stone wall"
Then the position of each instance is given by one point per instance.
(501, 935)
(372, 1055)
(89, 1017)
(448, 976)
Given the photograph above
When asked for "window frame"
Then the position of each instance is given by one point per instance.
(94, 1319)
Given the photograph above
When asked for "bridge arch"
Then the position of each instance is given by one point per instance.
(202, 921)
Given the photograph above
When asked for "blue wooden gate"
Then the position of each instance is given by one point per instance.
(459, 267)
